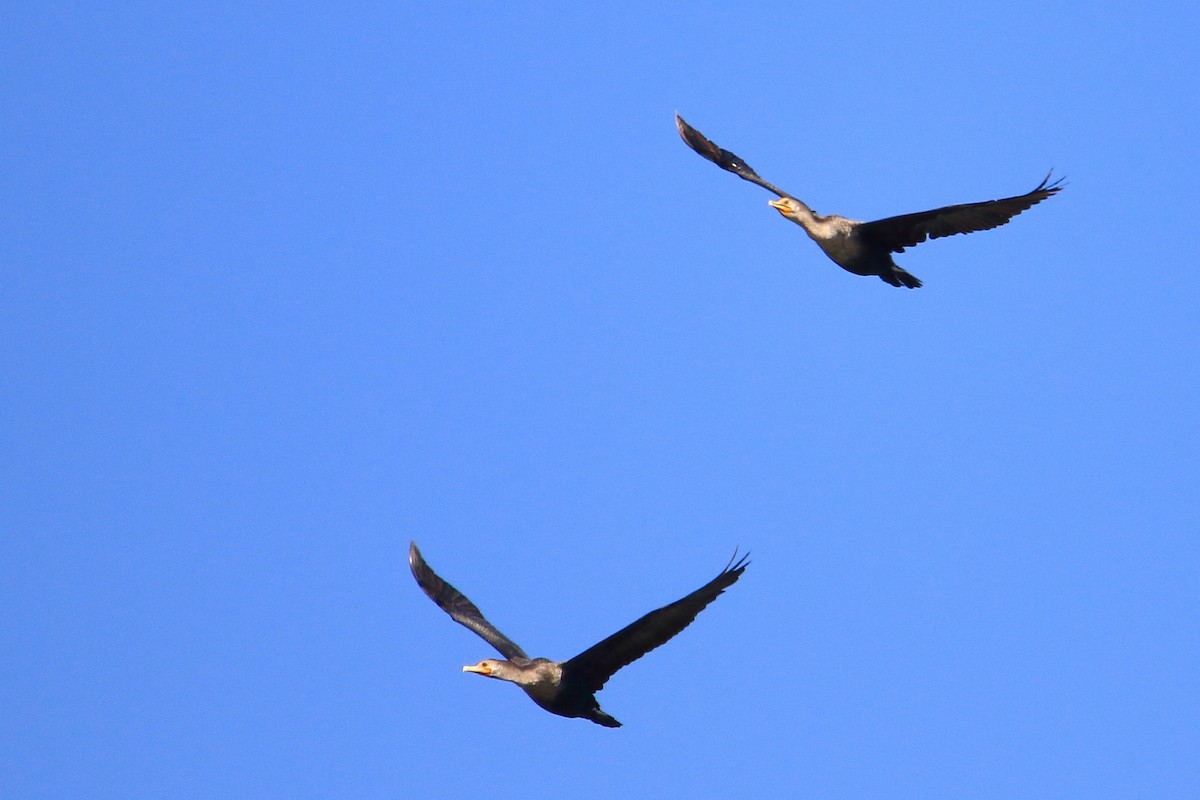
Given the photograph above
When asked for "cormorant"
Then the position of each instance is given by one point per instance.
(865, 248)
(568, 688)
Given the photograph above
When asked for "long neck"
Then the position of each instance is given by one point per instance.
(819, 228)
(802, 208)
(539, 671)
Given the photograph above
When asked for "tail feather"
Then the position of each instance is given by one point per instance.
(600, 718)
(898, 277)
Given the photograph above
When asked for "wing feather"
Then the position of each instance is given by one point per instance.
(456, 604)
(907, 230)
(594, 666)
(721, 157)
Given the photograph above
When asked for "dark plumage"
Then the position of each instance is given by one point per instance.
(865, 248)
(568, 688)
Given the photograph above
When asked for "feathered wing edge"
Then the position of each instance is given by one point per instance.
(456, 604)
(907, 230)
(721, 157)
(594, 666)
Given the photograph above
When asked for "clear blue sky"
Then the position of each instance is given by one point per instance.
(284, 288)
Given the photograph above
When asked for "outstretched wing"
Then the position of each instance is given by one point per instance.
(456, 604)
(897, 233)
(722, 158)
(594, 666)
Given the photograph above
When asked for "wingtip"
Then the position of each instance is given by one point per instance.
(682, 126)
(1052, 188)
(737, 564)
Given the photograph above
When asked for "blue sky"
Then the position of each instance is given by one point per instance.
(288, 287)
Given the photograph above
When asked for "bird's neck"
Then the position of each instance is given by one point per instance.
(802, 215)
(820, 228)
(538, 671)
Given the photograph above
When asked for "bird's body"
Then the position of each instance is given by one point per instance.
(568, 688)
(865, 248)
(843, 241)
(548, 685)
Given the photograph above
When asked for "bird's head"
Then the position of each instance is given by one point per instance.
(489, 667)
(786, 206)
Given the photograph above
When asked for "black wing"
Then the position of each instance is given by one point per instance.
(594, 666)
(897, 233)
(456, 604)
(722, 158)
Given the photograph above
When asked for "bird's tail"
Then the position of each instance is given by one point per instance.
(901, 278)
(600, 718)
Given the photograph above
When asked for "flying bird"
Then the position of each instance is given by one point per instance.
(568, 688)
(865, 248)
